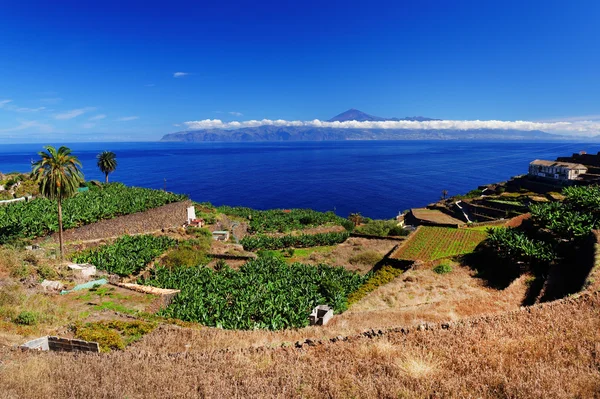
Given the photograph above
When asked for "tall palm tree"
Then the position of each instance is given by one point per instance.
(58, 174)
(107, 162)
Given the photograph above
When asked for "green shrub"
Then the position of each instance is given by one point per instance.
(46, 272)
(21, 271)
(382, 228)
(199, 231)
(288, 252)
(186, 257)
(27, 318)
(5, 195)
(347, 224)
(269, 253)
(366, 258)
(442, 268)
(381, 277)
(111, 335)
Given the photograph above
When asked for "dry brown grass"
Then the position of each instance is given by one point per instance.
(343, 253)
(549, 351)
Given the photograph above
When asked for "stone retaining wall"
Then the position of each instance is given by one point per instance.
(163, 217)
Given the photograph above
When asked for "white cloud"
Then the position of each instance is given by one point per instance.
(128, 118)
(97, 117)
(88, 125)
(24, 109)
(235, 113)
(30, 125)
(6, 104)
(180, 74)
(579, 127)
(150, 85)
(73, 113)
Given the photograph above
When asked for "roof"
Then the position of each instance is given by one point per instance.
(569, 165)
(434, 216)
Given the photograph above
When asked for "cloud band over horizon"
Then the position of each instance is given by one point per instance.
(584, 128)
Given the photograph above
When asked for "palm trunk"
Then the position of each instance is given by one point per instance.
(60, 231)
(106, 181)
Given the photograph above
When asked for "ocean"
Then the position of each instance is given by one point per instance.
(379, 179)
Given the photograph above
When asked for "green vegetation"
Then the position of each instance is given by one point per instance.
(59, 175)
(27, 318)
(113, 335)
(284, 220)
(127, 255)
(186, 256)
(253, 243)
(505, 202)
(381, 277)
(381, 228)
(443, 268)
(557, 228)
(304, 252)
(263, 293)
(39, 217)
(430, 243)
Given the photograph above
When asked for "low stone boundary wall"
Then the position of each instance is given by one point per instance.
(372, 237)
(233, 257)
(163, 217)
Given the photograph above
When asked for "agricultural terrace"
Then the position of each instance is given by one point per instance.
(430, 243)
(38, 218)
(127, 255)
(263, 293)
(283, 220)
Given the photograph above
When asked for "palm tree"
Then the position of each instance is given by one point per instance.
(58, 174)
(355, 218)
(107, 162)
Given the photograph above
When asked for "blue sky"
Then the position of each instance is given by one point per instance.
(94, 71)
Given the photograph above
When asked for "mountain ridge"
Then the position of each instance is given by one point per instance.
(354, 114)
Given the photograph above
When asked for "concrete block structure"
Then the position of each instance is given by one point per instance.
(61, 344)
(320, 315)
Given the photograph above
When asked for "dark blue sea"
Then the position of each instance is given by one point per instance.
(376, 178)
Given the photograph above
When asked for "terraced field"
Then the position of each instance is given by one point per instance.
(430, 243)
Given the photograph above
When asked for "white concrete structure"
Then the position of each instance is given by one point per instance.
(556, 170)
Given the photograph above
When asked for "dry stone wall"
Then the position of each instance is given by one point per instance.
(163, 217)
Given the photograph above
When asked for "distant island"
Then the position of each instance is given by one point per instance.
(312, 133)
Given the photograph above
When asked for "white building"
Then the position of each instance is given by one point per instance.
(556, 170)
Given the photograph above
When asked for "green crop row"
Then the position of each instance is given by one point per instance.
(127, 255)
(279, 220)
(263, 293)
(381, 277)
(253, 243)
(39, 217)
